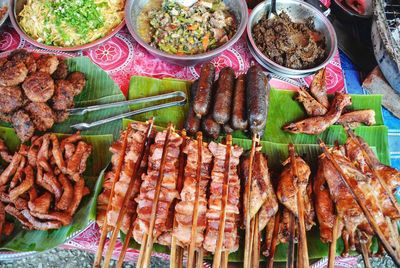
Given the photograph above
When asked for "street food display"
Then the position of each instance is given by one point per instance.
(69, 23)
(42, 184)
(177, 29)
(37, 91)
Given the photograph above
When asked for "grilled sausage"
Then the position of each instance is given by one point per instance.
(210, 127)
(223, 96)
(256, 103)
(202, 101)
(239, 115)
(192, 123)
(228, 128)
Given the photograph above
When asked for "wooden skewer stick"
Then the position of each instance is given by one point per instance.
(200, 257)
(368, 160)
(256, 242)
(303, 253)
(332, 245)
(248, 236)
(364, 252)
(132, 224)
(274, 242)
(290, 251)
(394, 230)
(225, 187)
(150, 239)
(145, 237)
(103, 236)
(195, 216)
(177, 251)
(127, 196)
(225, 259)
(367, 214)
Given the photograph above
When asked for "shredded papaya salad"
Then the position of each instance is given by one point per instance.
(181, 30)
(68, 23)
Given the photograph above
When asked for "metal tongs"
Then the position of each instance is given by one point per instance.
(84, 110)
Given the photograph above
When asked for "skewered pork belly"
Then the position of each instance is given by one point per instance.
(263, 198)
(184, 209)
(168, 186)
(135, 139)
(287, 190)
(231, 238)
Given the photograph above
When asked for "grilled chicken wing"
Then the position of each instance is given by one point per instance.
(318, 88)
(311, 105)
(356, 118)
(318, 124)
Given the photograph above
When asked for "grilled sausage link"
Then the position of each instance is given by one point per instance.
(223, 96)
(192, 123)
(239, 115)
(210, 127)
(256, 103)
(202, 101)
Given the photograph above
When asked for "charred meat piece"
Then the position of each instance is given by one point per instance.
(4, 152)
(63, 98)
(202, 102)
(41, 115)
(11, 99)
(22, 55)
(287, 190)
(38, 225)
(10, 169)
(12, 74)
(78, 80)
(311, 105)
(223, 96)
(257, 91)
(23, 125)
(67, 195)
(25, 185)
(239, 115)
(318, 124)
(60, 116)
(324, 206)
(6, 117)
(13, 211)
(40, 204)
(47, 63)
(62, 70)
(318, 88)
(192, 123)
(38, 87)
(62, 217)
(210, 127)
(356, 118)
(76, 165)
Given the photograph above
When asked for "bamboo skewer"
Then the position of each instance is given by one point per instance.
(274, 242)
(256, 242)
(224, 259)
(368, 160)
(177, 251)
(367, 214)
(150, 239)
(127, 196)
(192, 245)
(248, 233)
(290, 251)
(332, 245)
(199, 259)
(303, 253)
(221, 230)
(99, 253)
(364, 252)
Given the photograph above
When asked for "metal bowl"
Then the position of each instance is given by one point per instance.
(4, 18)
(237, 7)
(15, 8)
(298, 10)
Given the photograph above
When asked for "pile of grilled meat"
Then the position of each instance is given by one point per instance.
(42, 184)
(36, 91)
(231, 103)
(323, 113)
(274, 200)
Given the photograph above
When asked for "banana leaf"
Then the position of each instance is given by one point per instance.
(141, 86)
(25, 240)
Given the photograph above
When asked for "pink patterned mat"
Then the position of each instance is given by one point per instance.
(123, 57)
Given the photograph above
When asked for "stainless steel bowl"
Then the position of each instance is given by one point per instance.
(15, 8)
(4, 18)
(298, 10)
(237, 7)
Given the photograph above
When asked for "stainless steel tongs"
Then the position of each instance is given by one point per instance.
(84, 110)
